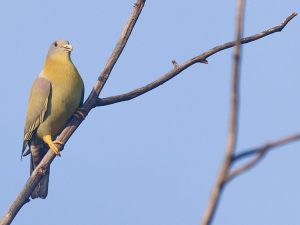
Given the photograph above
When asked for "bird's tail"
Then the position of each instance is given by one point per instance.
(38, 151)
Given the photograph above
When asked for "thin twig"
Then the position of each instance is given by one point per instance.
(36, 175)
(234, 115)
(269, 145)
(259, 153)
(180, 67)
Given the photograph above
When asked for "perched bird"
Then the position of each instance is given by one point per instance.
(55, 95)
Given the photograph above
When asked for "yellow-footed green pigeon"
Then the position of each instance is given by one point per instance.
(55, 95)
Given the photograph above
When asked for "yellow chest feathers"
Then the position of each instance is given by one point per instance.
(66, 83)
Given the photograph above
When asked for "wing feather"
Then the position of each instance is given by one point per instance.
(37, 107)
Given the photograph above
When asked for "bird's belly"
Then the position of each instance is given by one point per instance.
(62, 105)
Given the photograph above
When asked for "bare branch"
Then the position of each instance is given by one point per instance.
(93, 100)
(137, 9)
(269, 146)
(259, 153)
(69, 129)
(234, 115)
(181, 67)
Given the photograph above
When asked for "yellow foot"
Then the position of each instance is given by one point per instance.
(48, 140)
(80, 113)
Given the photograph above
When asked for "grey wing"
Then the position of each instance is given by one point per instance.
(37, 107)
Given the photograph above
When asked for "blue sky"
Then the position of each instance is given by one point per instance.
(153, 160)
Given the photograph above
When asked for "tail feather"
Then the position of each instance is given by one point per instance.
(38, 151)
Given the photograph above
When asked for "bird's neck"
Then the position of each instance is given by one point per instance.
(58, 64)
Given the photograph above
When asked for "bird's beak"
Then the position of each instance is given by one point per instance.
(68, 47)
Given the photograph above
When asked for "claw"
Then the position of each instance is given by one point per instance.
(58, 142)
(48, 140)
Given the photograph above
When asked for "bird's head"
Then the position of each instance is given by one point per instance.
(60, 48)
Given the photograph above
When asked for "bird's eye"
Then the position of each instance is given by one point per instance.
(55, 44)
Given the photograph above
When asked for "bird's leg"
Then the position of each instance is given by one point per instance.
(80, 113)
(48, 140)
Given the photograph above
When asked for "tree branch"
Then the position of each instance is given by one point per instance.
(181, 67)
(137, 9)
(259, 153)
(93, 100)
(234, 115)
(37, 174)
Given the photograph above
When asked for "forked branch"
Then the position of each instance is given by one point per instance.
(93, 100)
(36, 176)
(233, 121)
(258, 154)
(225, 175)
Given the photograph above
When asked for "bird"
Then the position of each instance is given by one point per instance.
(56, 94)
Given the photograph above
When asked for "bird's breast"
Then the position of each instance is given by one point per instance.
(66, 91)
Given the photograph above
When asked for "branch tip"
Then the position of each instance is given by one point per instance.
(204, 61)
(292, 16)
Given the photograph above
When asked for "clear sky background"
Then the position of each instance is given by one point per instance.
(153, 160)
